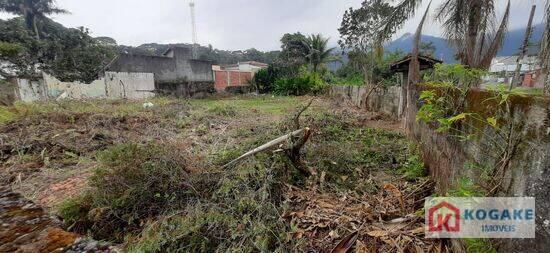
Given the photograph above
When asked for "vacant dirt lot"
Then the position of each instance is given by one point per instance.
(366, 176)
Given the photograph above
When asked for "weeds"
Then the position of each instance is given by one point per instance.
(6, 115)
(478, 245)
(243, 214)
(134, 183)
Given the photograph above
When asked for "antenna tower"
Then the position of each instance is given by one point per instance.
(194, 28)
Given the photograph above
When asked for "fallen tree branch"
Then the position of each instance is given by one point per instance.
(297, 116)
(266, 146)
(293, 154)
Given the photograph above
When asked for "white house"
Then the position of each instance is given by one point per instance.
(509, 63)
(248, 66)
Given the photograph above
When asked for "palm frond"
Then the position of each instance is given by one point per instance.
(414, 66)
(401, 13)
(496, 42)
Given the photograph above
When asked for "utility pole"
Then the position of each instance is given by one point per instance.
(516, 81)
(194, 29)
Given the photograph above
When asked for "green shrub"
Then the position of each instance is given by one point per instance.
(352, 80)
(303, 84)
(265, 79)
(413, 168)
(132, 184)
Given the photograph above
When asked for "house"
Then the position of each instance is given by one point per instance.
(176, 72)
(503, 68)
(508, 64)
(236, 78)
(250, 66)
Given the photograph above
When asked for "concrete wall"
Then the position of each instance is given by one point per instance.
(30, 90)
(129, 85)
(380, 100)
(449, 159)
(113, 85)
(188, 89)
(75, 90)
(176, 66)
(163, 67)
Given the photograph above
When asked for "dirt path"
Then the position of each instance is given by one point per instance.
(26, 227)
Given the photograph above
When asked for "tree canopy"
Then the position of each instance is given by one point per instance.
(31, 10)
(67, 53)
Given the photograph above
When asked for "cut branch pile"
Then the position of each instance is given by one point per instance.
(385, 222)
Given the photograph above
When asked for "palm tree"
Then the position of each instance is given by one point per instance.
(319, 53)
(31, 10)
(469, 25)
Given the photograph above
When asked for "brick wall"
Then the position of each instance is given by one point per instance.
(226, 79)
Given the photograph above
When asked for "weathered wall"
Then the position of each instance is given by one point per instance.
(380, 100)
(113, 85)
(176, 66)
(449, 159)
(163, 67)
(188, 89)
(129, 85)
(29, 90)
(74, 90)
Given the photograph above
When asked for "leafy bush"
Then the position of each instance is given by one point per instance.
(132, 184)
(303, 84)
(455, 75)
(265, 79)
(413, 168)
(351, 80)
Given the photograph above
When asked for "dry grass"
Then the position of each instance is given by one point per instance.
(53, 148)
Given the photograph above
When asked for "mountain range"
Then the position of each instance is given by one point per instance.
(512, 43)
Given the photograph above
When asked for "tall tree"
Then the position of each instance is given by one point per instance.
(427, 48)
(67, 53)
(318, 51)
(31, 10)
(294, 49)
(359, 30)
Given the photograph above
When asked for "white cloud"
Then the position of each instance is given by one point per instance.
(232, 24)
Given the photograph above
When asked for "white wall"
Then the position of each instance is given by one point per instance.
(75, 90)
(129, 85)
(113, 85)
(31, 90)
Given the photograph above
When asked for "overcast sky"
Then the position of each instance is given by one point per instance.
(232, 24)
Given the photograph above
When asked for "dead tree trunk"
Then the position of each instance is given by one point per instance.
(516, 81)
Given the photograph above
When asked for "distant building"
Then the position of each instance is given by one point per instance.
(503, 69)
(236, 77)
(250, 66)
(176, 72)
(509, 63)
